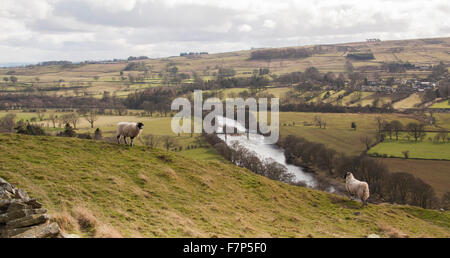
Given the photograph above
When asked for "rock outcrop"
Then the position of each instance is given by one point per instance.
(22, 216)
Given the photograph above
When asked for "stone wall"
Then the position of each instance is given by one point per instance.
(22, 216)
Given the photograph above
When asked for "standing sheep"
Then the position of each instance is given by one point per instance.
(356, 187)
(128, 129)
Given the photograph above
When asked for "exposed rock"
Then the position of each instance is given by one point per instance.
(40, 231)
(20, 194)
(28, 221)
(22, 217)
(373, 236)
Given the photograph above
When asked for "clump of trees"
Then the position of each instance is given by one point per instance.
(280, 53)
(399, 187)
(154, 99)
(397, 67)
(361, 56)
(135, 66)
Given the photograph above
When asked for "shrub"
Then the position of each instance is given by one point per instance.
(98, 134)
(68, 131)
(30, 129)
(406, 154)
(85, 218)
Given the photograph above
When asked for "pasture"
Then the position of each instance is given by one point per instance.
(426, 149)
(442, 104)
(433, 172)
(338, 133)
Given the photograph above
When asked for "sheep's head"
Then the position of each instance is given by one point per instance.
(347, 175)
(140, 126)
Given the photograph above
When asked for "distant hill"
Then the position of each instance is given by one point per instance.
(102, 189)
(369, 59)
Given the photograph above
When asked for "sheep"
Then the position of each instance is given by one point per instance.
(128, 129)
(356, 187)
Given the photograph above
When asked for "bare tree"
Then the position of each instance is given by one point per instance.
(91, 117)
(168, 142)
(70, 118)
(53, 118)
(416, 130)
(387, 127)
(380, 123)
(7, 123)
(396, 126)
(367, 141)
(318, 121)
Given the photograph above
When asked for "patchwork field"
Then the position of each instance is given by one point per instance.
(94, 79)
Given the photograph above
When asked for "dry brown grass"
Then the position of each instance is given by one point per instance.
(392, 232)
(106, 231)
(65, 221)
(85, 218)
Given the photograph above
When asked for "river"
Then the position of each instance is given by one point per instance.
(263, 150)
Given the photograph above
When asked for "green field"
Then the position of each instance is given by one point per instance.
(442, 104)
(135, 192)
(409, 102)
(417, 150)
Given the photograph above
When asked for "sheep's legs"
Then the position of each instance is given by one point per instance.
(132, 144)
(364, 203)
(118, 139)
(125, 140)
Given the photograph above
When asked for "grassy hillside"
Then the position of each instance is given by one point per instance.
(101, 189)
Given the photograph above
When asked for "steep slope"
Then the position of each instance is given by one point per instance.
(102, 189)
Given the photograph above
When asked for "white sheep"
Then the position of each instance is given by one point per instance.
(128, 129)
(356, 187)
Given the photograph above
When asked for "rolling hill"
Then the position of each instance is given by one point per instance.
(102, 189)
(94, 79)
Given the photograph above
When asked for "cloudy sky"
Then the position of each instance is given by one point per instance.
(77, 30)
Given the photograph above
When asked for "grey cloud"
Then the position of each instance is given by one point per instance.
(82, 30)
(147, 14)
